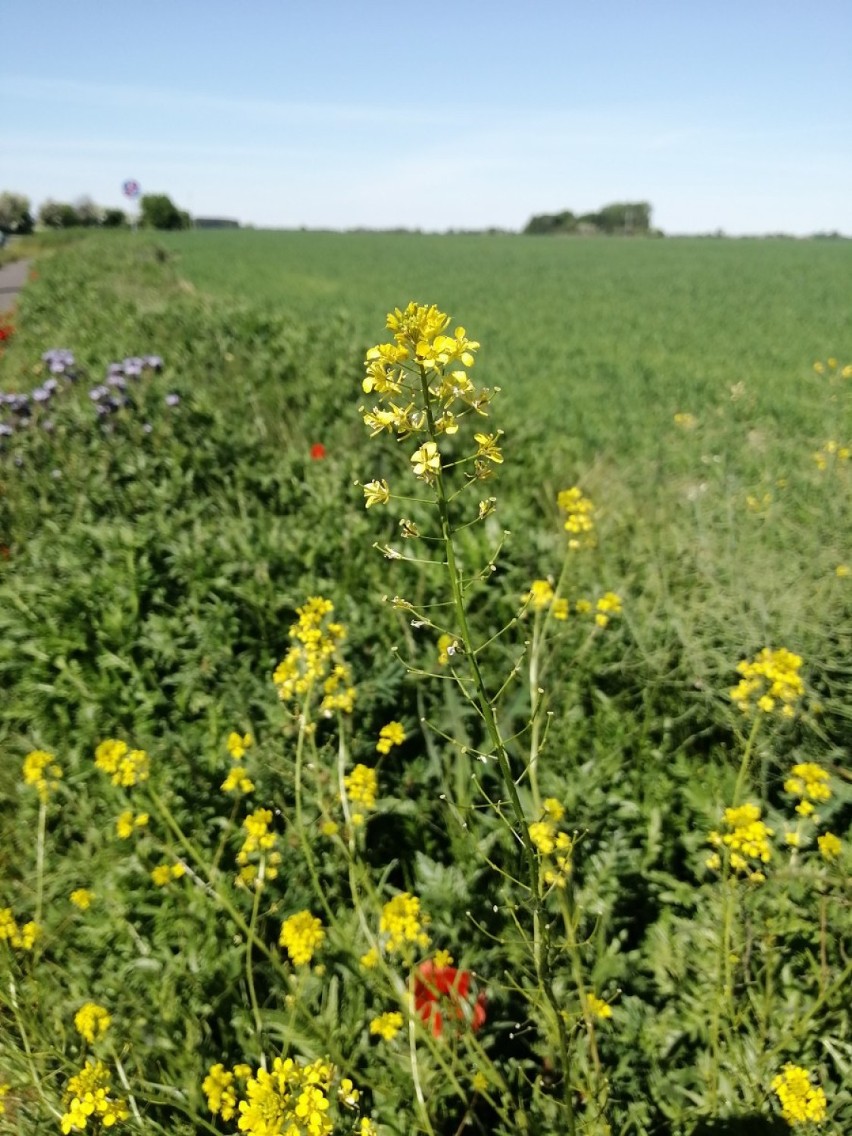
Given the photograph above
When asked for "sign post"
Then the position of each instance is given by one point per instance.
(131, 190)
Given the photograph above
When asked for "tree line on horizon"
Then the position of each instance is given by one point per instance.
(156, 211)
(622, 218)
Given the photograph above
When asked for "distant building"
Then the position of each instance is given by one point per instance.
(215, 223)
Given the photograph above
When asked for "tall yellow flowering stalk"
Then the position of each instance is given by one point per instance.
(423, 395)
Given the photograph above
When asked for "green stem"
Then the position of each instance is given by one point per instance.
(521, 831)
(42, 822)
(255, 907)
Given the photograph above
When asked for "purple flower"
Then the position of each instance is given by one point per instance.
(97, 393)
(154, 362)
(6, 431)
(172, 399)
(41, 395)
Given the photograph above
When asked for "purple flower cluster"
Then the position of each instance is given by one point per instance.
(16, 410)
(112, 394)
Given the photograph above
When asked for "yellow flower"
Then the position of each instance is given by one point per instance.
(91, 1021)
(390, 735)
(163, 874)
(403, 923)
(237, 744)
(82, 898)
(87, 1095)
(42, 772)
(579, 520)
(771, 680)
(808, 781)
(543, 836)
(685, 420)
(597, 1007)
(842, 571)
(488, 448)
(4, 1090)
(747, 839)
(218, 1088)
(540, 595)
(426, 461)
(554, 809)
(448, 645)
(237, 781)
(126, 767)
(388, 1025)
(301, 936)
(126, 823)
(801, 1101)
(442, 958)
(829, 846)
(370, 959)
(376, 493)
(362, 785)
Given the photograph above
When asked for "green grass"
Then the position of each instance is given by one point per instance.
(150, 575)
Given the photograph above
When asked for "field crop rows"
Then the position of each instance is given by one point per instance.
(517, 801)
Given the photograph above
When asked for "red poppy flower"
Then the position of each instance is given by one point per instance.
(317, 451)
(440, 990)
(6, 331)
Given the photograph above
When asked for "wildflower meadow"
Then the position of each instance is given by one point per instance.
(402, 733)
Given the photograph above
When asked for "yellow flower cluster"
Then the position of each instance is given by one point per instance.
(22, 938)
(238, 780)
(542, 597)
(387, 1026)
(4, 1090)
(809, 782)
(771, 681)
(801, 1101)
(82, 898)
(747, 839)
(87, 1098)
(259, 842)
(550, 842)
(91, 1021)
(238, 744)
(831, 451)
(422, 386)
(829, 846)
(42, 772)
(362, 785)
(685, 420)
(218, 1087)
(288, 1100)
(163, 874)
(608, 605)
(314, 659)
(403, 923)
(301, 936)
(126, 823)
(390, 735)
(832, 365)
(579, 517)
(597, 1007)
(125, 766)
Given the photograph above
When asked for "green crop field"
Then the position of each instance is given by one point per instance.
(515, 802)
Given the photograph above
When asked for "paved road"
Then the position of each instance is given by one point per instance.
(12, 279)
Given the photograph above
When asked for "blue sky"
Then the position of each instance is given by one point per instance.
(340, 113)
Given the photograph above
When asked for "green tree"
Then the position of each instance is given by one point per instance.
(158, 211)
(114, 219)
(15, 216)
(58, 215)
